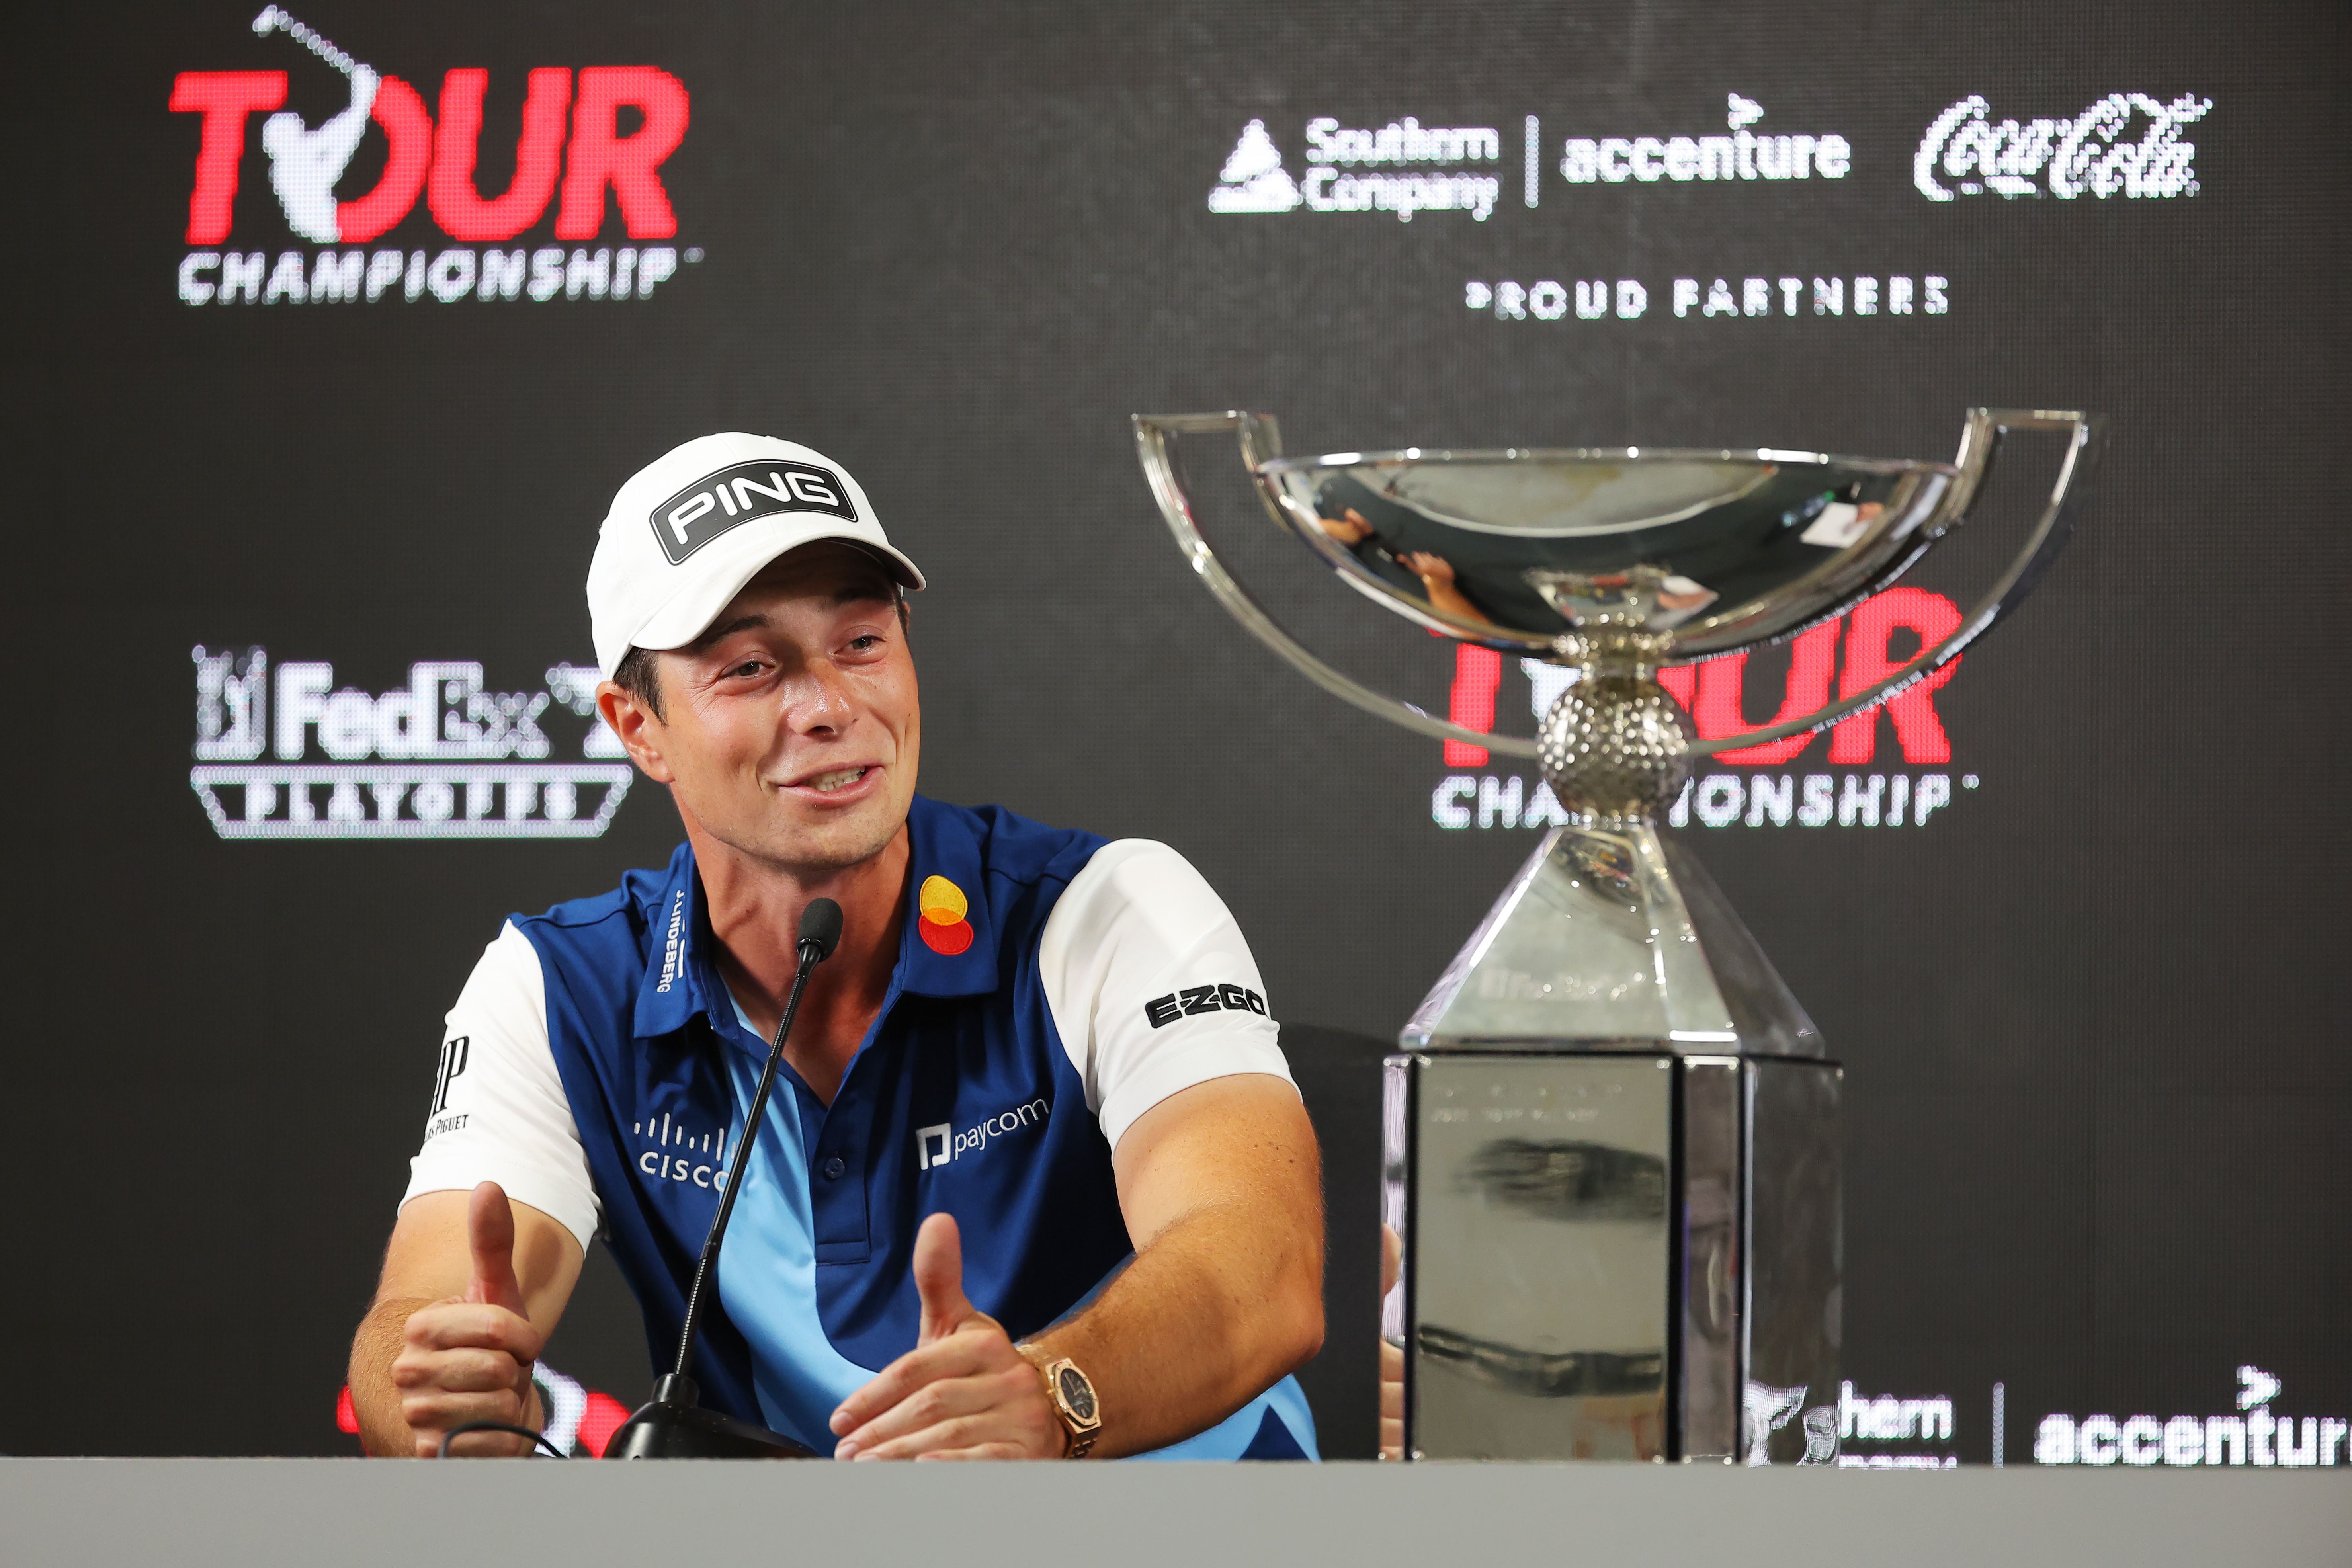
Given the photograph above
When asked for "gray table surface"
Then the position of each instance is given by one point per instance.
(258, 1513)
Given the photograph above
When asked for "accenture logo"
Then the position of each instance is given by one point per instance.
(570, 156)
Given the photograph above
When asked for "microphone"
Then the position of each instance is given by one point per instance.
(673, 1425)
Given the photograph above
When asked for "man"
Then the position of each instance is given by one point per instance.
(1032, 1115)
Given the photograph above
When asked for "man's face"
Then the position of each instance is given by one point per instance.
(791, 730)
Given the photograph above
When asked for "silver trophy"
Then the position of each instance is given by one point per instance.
(1612, 1140)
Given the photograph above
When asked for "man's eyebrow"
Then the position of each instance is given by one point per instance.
(739, 624)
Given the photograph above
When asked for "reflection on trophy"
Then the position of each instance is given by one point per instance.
(1612, 1140)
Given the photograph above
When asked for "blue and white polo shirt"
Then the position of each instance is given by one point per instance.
(1051, 987)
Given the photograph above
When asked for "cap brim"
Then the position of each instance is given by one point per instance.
(742, 555)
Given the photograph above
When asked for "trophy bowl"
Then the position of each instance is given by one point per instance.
(1612, 1141)
(1707, 551)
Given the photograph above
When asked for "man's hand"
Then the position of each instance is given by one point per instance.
(963, 1392)
(468, 1358)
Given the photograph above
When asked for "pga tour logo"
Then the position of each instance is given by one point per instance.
(430, 759)
(570, 154)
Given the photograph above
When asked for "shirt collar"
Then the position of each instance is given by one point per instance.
(678, 980)
(954, 957)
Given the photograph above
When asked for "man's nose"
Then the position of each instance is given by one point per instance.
(819, 702)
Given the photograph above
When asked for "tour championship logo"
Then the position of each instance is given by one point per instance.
(443, 756)
(571, 155)
(1860, 783)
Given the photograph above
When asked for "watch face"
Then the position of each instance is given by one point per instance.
(1077, 1394)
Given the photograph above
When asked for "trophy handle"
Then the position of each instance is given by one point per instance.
(1979, 440)
(1261, 439)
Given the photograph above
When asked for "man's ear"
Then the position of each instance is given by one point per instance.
(641, 731)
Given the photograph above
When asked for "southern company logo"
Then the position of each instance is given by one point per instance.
(570, 154)
(1254, 180)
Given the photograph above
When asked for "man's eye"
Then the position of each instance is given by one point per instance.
(866, 644)
(748, 668)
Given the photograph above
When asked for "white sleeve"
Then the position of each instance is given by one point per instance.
(499, 1111)
(1151, 984)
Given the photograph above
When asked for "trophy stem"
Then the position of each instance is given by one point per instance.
(1615, 746)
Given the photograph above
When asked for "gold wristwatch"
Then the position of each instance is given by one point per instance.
(1072, 1396)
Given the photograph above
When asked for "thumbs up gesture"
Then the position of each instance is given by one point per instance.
(468, 1358)
(964, 1392)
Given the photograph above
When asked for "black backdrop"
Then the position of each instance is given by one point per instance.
(2089, 1011)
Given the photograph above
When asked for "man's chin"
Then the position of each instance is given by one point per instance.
(826, 839)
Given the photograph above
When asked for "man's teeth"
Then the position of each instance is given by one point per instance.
(825, 783)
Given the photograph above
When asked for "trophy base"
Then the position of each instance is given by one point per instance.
(1612, 1151)
(1620, 1255)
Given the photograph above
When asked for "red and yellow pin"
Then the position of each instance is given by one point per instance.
(943, 926)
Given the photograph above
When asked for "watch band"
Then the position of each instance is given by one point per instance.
(1072, 1396)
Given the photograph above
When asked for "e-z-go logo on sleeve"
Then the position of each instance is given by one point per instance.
(428, 760)
(571, 152)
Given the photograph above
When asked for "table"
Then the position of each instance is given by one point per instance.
(257, 1514)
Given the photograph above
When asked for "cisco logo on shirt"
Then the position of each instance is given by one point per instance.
(939, 1144)
(673, 1154)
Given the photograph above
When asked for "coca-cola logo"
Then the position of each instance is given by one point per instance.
(2126, 144)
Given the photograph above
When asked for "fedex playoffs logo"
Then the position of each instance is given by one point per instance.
(571, 154)
(441, 756)
(1874, 786)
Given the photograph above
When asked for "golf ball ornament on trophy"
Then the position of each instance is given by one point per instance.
(1611, 1135)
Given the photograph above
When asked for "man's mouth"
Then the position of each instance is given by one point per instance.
(838, 779)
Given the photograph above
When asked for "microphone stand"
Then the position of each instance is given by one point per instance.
(673, 1425)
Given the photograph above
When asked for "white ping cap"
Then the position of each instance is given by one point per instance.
(692, 527)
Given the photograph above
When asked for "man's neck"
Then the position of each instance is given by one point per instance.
(755, 912)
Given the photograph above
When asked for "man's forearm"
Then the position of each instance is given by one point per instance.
(1221, 1305)
(376, 1400)
(384, 1431)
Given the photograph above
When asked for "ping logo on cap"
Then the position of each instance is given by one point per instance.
(741, 492)
(943, 927)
